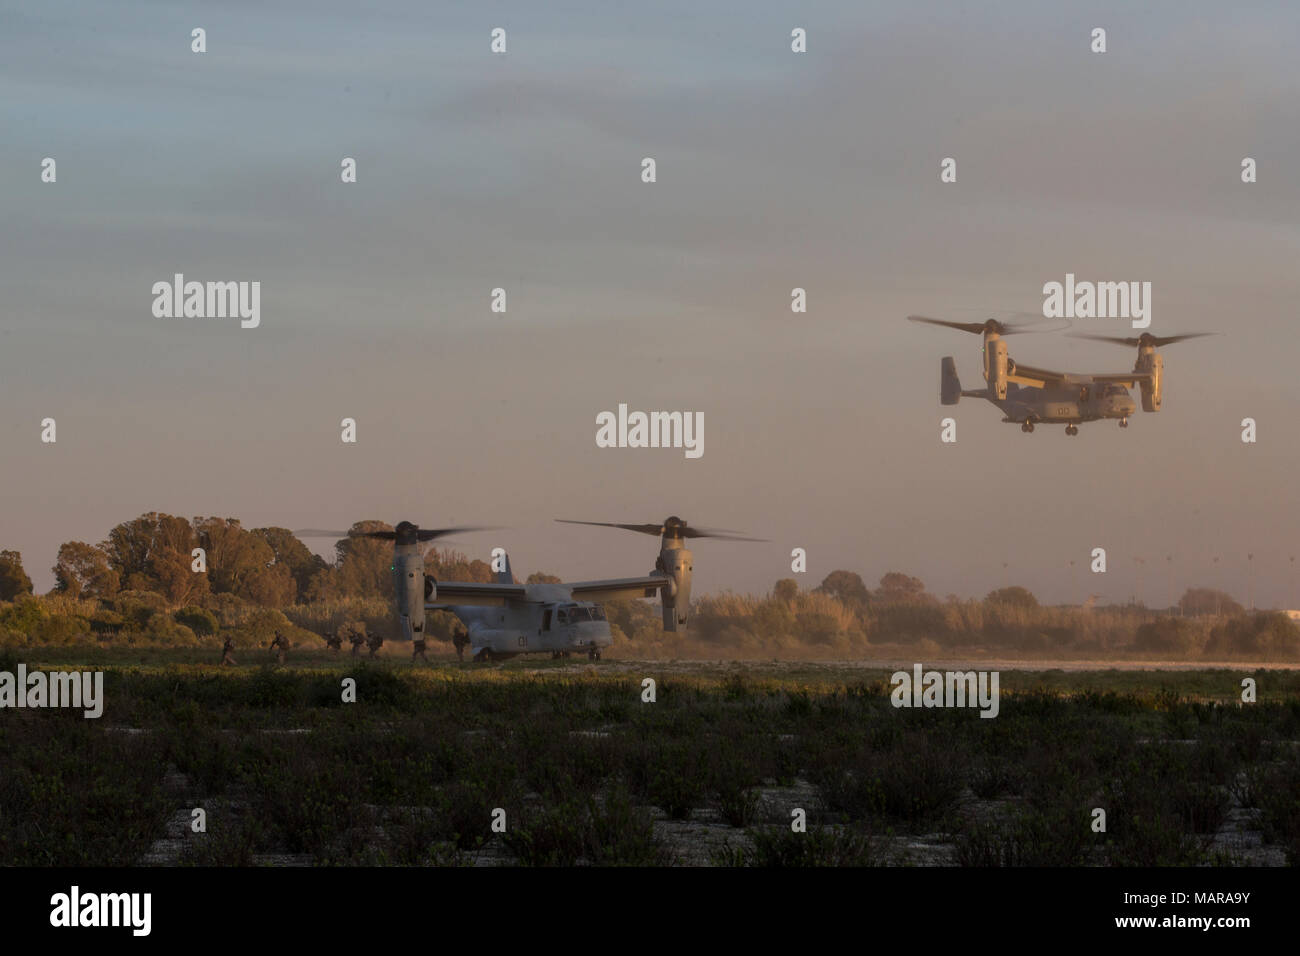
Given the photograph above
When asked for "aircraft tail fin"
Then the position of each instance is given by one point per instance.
(505, 575)
(949, 385)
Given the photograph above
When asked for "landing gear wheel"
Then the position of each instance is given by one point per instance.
(593, 654)
(1029, 426)
(1072, 429)
(485, 655)
(1123, 423)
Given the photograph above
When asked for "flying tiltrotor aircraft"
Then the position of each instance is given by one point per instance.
(1029, 396)
(505, 619)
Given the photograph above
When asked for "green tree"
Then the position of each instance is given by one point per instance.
(13, 579)
(324, 585)
(271, 587)
(82, 570)
(1209, 601)
(1166, 635)
(1014, 596)
(846, 587)
(1265, 634)
(25, 615)
(130, 544)
(148, 553)
(292, 554)
(786, 590)
(172, 574)
(199, 620)
(899, 588)
(448, 565)
(234, 554)
(366, 564)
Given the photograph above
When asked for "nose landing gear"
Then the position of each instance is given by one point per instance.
(1027, 427)
(1072, 429)
(1123, 423)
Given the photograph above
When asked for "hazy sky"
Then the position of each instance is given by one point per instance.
(775, 170)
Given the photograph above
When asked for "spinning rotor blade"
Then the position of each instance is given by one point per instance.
(428, 534)
(405, 528)
(675, 524)
(976, 328)
(318, 533)
(989, 325)
(1146, 338)
(710, 533)
(655, 529)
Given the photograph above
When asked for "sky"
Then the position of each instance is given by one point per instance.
(775, 170)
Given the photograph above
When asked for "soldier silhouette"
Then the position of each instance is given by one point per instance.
(279, 646)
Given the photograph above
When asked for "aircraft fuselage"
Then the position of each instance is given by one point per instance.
(535, 628)
(1068, 405)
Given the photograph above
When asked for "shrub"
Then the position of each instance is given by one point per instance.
(24, 615)
(1167, 635)
(138, 607)
(821, 846)
(199, 620)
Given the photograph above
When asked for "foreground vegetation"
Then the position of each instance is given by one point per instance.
(586, 771)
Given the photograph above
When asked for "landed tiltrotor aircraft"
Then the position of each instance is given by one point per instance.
(504, 618)
(1029, 396)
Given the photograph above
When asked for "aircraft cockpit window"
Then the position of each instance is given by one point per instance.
(598, 613)
(578, 614)
(561, 617)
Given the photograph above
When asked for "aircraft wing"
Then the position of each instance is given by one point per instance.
(1122, 378)
(466, 594)
(617, 589)
(1034, 377)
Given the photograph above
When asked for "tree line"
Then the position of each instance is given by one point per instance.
(140, 585)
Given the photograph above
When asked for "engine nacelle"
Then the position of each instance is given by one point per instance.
(995, 366)
(1151, 390)
(677, 563)
(409, 586)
